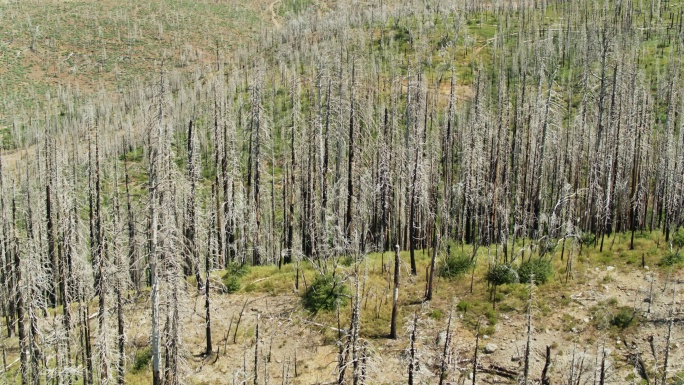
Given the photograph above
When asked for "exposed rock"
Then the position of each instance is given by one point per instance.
(491, 348)
(610, 268)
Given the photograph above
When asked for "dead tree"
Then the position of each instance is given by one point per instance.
(412, 349)
(545, 379)
(445, 352)
(395, 297)
(477, 346)
(191, 259)
(350, 163)
(669, 338)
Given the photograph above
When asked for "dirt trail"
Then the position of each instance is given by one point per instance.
(274, 17)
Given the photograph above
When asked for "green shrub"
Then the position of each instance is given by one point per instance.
(502, 274)
(678, 238)
(142, 360)
(347, 261)
(325, 293)
(671, 259)
(463, 306)
(623, 317)
(540, 270)
(231, 283)
(492, 317)
(436, 314)
(237, 269)
(588, 239)
(455, 266)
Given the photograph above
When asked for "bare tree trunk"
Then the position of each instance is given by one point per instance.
(207, 308)
(412, 218)
(445, 351)
(132, 252)
(350, 164)
(395, 297)
(526, 370)
(256, 116)
(545, 379)
(121, 337)
(21, 330)
(602, 374)
(156, 358)
(52, 254)
(435, 247)
(667, 341)
(88, 354)
(191, 260)
(256, 351)
(477, 346)
(412, 349)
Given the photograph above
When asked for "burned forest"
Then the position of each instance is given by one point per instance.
(342, 192)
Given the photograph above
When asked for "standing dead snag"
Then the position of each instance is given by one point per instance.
(132, 251)
(412, 349)
(431, 273)
(207, 307)
(445, 352)
(477, 346)
(256, 351)
(350, 163)
(395, 298)
(545, 379)
(602, 373)
(669, 337)
(156, 351)
(342, 352)
(52, 254)
(155, 158)
(21, 330)
(526, 371)
(256, 116)
(237, 325)
(191, 259)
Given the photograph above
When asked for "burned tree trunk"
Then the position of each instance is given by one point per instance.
(350, 164)
(395, 297)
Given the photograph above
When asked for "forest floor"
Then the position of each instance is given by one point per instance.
(573, 318)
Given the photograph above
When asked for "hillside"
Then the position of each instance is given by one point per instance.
(222, 192)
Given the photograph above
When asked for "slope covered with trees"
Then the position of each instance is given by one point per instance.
(530, 129)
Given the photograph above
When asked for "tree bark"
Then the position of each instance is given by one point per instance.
(395, 297)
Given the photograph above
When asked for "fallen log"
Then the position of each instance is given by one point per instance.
(498, 371)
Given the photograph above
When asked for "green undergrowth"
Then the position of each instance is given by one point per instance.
(553, 285)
